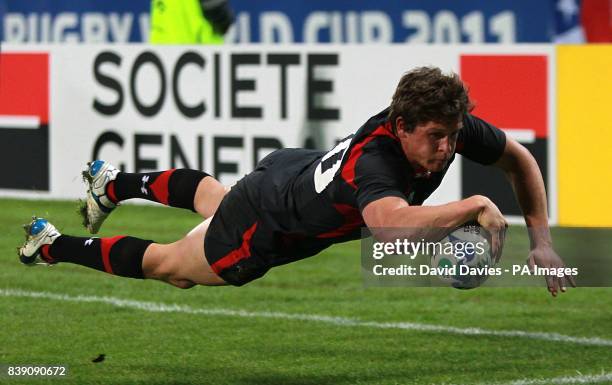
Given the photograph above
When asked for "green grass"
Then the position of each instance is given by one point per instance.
(174, 348)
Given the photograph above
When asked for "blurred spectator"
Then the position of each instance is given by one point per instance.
(189, 21)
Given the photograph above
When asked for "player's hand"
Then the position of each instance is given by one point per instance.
(545, 256)
(492, 220)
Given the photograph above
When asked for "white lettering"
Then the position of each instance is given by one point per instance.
(473, 26)
(32, 28)
(377, 250)
(240, 31)
(120, 27)
(446, 28)
(335, 30)
(45, 27)
(278, 23)
(65, 21)
(323, 178)
(376, 27)
(504, 26)
(352, 32)
(14, 28)
(71, 27)
(418, 20)
(144, 23)
(313, 24)
(94, 28)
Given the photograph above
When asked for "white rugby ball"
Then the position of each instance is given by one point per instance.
(463, 257)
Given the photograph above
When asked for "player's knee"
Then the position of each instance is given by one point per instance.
(169, 273)
(167, 270)
(171, 270)
(207, 202)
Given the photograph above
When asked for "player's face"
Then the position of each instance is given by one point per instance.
(430, 145)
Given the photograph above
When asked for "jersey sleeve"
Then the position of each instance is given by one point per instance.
(480, 141)
(378, 174)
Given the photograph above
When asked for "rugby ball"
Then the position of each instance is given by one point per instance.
(463, 258)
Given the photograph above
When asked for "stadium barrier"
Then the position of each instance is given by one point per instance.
(222, 109)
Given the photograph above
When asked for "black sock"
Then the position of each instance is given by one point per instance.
(118, 255)
(176, 187)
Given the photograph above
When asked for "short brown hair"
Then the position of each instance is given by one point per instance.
(426, 94)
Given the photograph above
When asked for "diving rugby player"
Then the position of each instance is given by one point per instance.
(298, 202)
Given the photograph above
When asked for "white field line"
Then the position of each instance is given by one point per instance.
(579, 379)
(157, 307)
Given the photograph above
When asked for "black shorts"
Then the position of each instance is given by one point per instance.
(240, 245)
(250, 234)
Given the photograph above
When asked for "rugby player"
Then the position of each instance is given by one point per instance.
(298, 202)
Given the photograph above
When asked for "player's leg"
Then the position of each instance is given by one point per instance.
(181, 263)
(184, 188)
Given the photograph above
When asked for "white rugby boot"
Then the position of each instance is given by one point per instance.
(39, 232)
(97, 205)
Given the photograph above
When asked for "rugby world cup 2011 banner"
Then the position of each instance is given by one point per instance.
(221, 109)
(314, 21)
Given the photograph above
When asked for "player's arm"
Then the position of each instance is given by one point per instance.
(393, 211)
(524, 174)
(427, 221)
(381, 182)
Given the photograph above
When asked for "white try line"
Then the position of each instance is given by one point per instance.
(157, 307)
(579, 379)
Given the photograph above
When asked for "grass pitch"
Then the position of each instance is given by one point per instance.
(144, 347)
